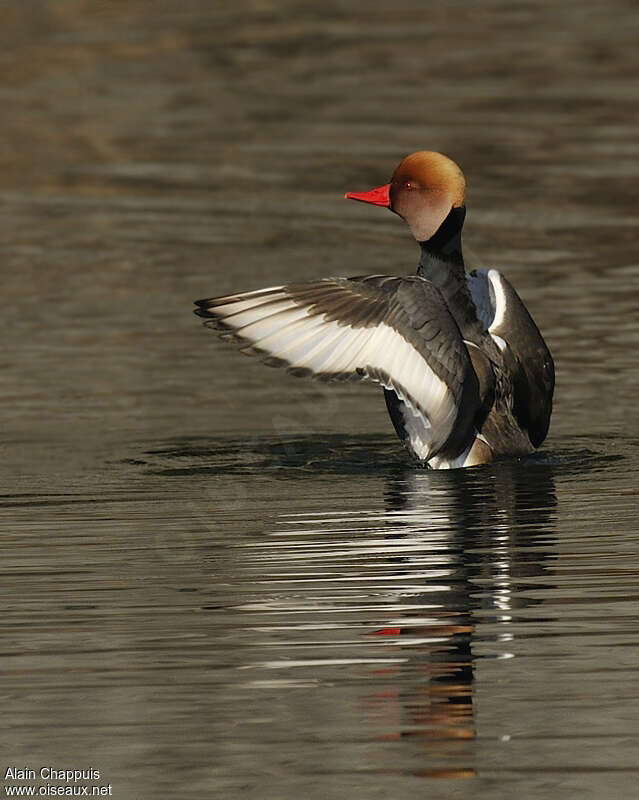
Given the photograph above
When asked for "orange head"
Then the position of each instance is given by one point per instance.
(423, 190)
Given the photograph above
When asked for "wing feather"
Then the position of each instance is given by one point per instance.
(395, 331)
(511, 326)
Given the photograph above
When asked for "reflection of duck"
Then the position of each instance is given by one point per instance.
(482, 533)
(466, 373)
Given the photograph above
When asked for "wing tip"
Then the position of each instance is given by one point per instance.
(216, 324)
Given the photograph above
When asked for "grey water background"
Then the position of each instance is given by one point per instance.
(219, 581)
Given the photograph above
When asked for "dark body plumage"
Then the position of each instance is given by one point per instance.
(466, 373)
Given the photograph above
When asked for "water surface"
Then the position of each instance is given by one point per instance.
(219, 581)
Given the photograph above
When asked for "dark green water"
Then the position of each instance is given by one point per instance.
(219, 581)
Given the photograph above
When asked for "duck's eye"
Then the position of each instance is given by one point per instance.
(408, 185)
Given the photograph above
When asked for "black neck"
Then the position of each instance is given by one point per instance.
(446, 242)
(442, 263)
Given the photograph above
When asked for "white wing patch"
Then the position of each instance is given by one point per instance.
(488, 295)
(500, 299)
(288, 333)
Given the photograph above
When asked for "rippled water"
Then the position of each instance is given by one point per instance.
(219, 581)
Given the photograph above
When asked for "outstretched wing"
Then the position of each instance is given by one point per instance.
(395, 331)
(508, 321)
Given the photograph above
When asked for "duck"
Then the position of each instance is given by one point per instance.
(466, 374)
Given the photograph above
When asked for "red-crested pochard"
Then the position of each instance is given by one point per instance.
(466, 373)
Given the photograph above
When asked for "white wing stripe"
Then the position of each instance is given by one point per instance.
(294, 335)
(249, 315)
(323, 351)
(261, 328)
(248, 299)
(500, 299)
(276, 324)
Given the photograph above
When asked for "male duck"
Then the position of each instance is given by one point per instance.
(466, 373)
